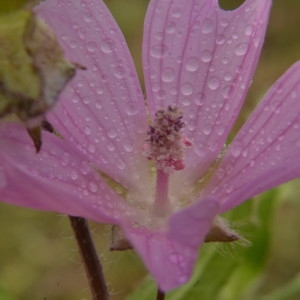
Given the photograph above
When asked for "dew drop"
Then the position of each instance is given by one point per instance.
(186, 89)
(241, 49)
(227, 77)
(171, 27)
(65, 158)
(199, 99)
(208, 26)
(73, 45)
(186, 101)
(74, 175)
(248, 30)
(87, 130)
(176, 12)
(128, 146)
(192, 64)
(159, 51)
(107, 46)
(226, 92)
(207, 129)
(220, 173)
(220, 39)
(84, 168)
(110, 147)
(75, 100)
(236, 151)
(168, 75)
(214, 83)
(228, 188)
(93, 187)
(119, 72)
(112, 133)
(159, 35)
(91, 47)
(224, 22)
(121, 165)
(131, 108)
(206, 56)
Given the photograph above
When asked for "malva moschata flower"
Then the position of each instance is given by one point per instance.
(156, 165)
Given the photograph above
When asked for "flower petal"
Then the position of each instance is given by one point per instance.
(170, 256)
(57, 179)
(102, 112)
(265, 152)
(202, 58)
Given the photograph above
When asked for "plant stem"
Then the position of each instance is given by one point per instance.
(90, 259)
(160, 295)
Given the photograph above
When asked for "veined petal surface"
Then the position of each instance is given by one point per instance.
(170, 255)
(57, 179)
(265, 152)
(102, 112)
(201, 58)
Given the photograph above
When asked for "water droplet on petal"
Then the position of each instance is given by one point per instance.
(192, 64)
(208, 26)
(168, 75)
(128, 146)
(159, 51)
(248, 30)
(186, 89)
(236, 151)
(107, 46)
(207, 129)
(176, 12)
(131, 108)
(87, 130)
(64, 159)
(112, 133)
(171, 27)
(93, 187)
(228, 188)
(84, 168)
(227, 77)
(111, 147)
(119, 72)
(91, 47)
(206, 56)
(241, 49)
(220, 39)
(214, 83)
(74, 175)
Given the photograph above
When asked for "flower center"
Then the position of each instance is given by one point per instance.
(165, 145)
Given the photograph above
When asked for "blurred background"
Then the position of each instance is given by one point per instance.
(38, 254)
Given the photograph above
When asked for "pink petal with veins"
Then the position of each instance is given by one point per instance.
(170, 256)
(202, 58)
(102, 112)
(265, 152)
(57, 179)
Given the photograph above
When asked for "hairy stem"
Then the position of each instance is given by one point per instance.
(160, 295)
(90, 258)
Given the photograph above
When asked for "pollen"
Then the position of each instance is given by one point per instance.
(165, 143)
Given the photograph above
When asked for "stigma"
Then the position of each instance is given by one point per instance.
(165, 143)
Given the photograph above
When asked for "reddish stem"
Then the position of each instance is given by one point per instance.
(90, 258)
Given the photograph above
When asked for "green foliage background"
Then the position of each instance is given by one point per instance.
(38, 255)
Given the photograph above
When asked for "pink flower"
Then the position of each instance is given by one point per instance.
(166, 183)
